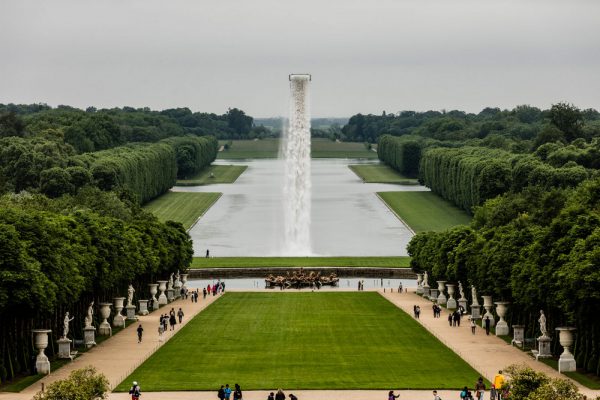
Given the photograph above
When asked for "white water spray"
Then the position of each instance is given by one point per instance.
(296, 186)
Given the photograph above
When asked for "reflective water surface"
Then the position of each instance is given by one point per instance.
(347, 217)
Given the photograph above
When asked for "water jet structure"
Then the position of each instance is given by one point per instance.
(297, 185)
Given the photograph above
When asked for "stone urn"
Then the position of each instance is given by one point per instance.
(488, 304)
(104, 328)
(451, 303)
(184, 281)
(502, 326)
(42, 364)
(119, 320)
(566, 362)
(162, 298)
(441, 299)
(419, 282)
(153, 291)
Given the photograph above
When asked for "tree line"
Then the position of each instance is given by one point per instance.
(60, 254)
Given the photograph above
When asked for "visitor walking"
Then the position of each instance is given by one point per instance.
(479, 389)
(415, 310)
(227, 392)
(400, 288)
(140, 330)
(418, 312)
(271, 396)
(465, 394)
(180, 314)
(221, 393)
(161, 330)
(435, 395)
(450, 319)
(237, 393)
(472, 325)
(391, 395)
(204, 292)
(208, 288)
(498, 383)
(280, 395)
(487, 325)
(135, 391)
(172, 321)
(292, 397)
(207, 253)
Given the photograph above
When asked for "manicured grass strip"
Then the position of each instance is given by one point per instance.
(182, 207)
(425, 211)
(305, 340)
(269, 148)
(381, 173)
(214, 174)
(258, 262)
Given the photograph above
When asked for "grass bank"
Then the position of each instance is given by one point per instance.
(425, 211)
(214, 174)
(258, 262)
(269, 148)
(182, 207)
(304, 340)
(381, 173)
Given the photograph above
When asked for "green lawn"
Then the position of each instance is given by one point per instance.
(220, 174)
(184, 207)
(305, 340)
(425, 211)
(381, 173)
(257, 262)
(269, 148)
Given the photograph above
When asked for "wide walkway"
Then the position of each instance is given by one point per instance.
(120, 355)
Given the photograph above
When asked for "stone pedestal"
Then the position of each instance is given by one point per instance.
(170, 296)
(475, 311)
(419, 282)
(153, 290)
(463, 303)
(118, 319)
(426, 291)
(42, 364)
(433, 295)
(518, 335)
(441, 299)
(488, 304)
(566, 362)
(89, 336)
(104, 329)
(131, 313)
(162, 299)
(176, 288)
(543, 347)
(64, 348)
(143, 307)
(184, 281)
(451, 303)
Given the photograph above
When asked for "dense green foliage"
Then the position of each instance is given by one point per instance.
(539, 249)
(527, 384)
(402, 153)
(193, 154)
(60, 254)
(82, 384)
(303, 341)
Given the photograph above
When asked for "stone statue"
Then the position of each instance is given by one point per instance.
(425, 279)
(170, 283)
(89, 317)
(542, 322)
(461, 290)
(66, 325)
(177, 277)
(474, 302)
(130, 292)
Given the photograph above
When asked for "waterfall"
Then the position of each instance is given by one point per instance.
(296, 187)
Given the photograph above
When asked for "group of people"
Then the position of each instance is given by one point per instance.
(498, 391)
(454, 318)
(170, 319)
(417, 311)
(215, 289)
(280, 396)
(225, 392)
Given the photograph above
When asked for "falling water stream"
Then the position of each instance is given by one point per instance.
(296, 186)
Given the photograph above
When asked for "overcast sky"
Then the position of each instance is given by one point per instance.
(364, 56)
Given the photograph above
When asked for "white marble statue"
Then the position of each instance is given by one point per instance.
(130, 292)
(425, 279)
(89, 317)
(177, 276)
(474, 300)
(170, 283)
(461, 290)
(542, 322)
(66, 325)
